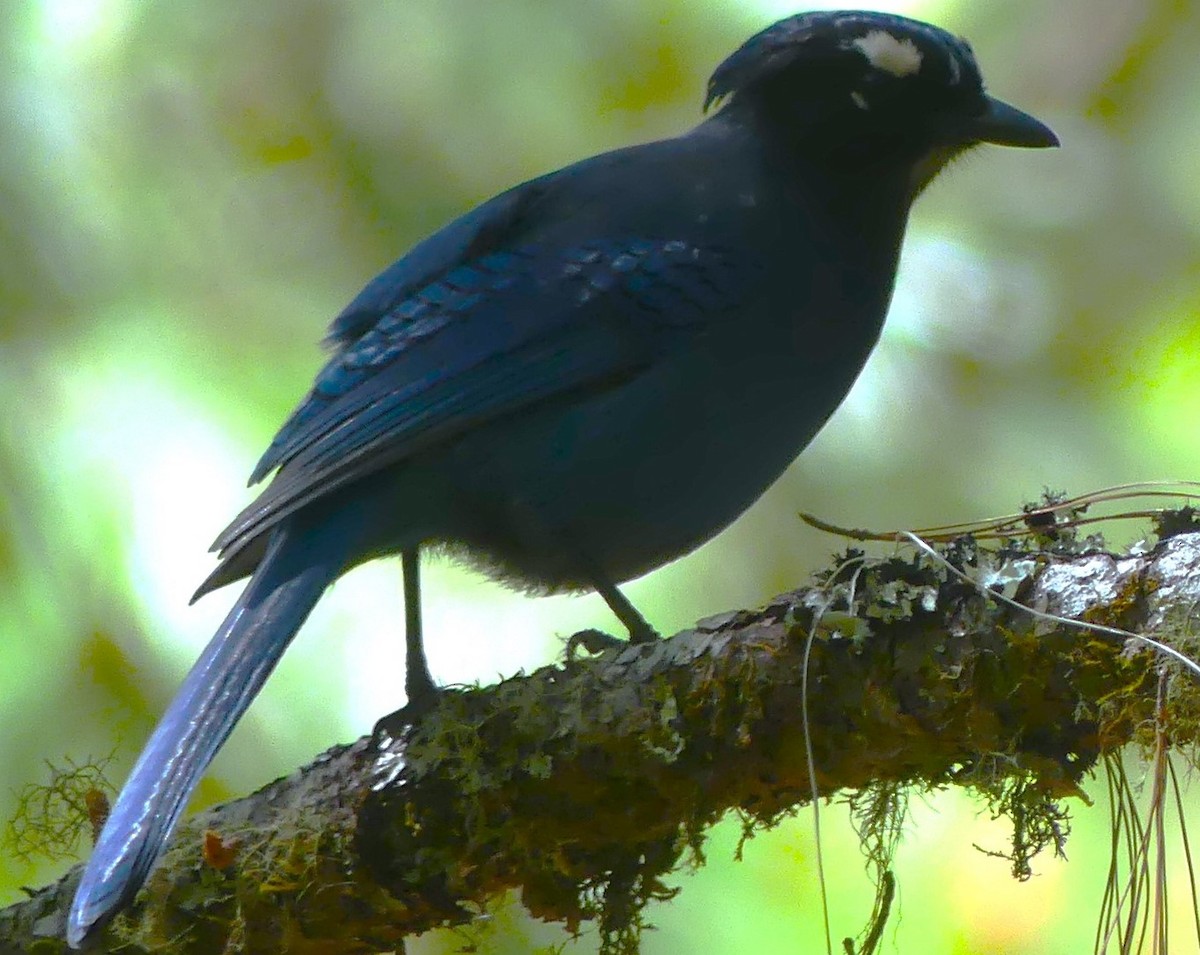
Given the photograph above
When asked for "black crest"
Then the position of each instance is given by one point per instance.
(871, 43)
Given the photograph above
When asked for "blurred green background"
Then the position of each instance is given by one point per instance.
(190, 191)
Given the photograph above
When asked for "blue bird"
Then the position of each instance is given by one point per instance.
(590, 374)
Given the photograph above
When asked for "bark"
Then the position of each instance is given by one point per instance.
(584, 785)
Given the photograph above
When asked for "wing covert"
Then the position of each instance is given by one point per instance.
(467, 237)
(488, 336)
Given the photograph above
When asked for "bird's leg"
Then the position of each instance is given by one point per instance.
(639, 630)
(597, 641)
(422, 692)
(418, 684)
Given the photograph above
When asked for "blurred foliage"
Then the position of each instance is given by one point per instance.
(190, 191)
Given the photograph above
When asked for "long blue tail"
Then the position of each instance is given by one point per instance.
(297, 567)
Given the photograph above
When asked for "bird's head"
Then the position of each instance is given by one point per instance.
(870, 88)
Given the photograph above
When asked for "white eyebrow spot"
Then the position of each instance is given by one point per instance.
(859, 100)
(889, 53)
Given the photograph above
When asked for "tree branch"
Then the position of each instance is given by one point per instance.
(584, 785)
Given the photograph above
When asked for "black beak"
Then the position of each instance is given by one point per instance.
(1006, 125)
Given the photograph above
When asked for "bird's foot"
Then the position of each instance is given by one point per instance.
(597, 641)
(592, 641)
(396, 726)
(423, 696)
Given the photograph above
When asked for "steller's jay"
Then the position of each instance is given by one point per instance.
(590, 374)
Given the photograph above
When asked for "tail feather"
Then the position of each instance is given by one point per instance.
(293, 574)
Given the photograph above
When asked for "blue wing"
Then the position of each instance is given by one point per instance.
(462, 240)
(488, 336)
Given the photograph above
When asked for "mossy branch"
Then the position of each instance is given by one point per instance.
(584, 785)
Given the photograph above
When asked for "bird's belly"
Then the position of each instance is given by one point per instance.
(638, 476)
